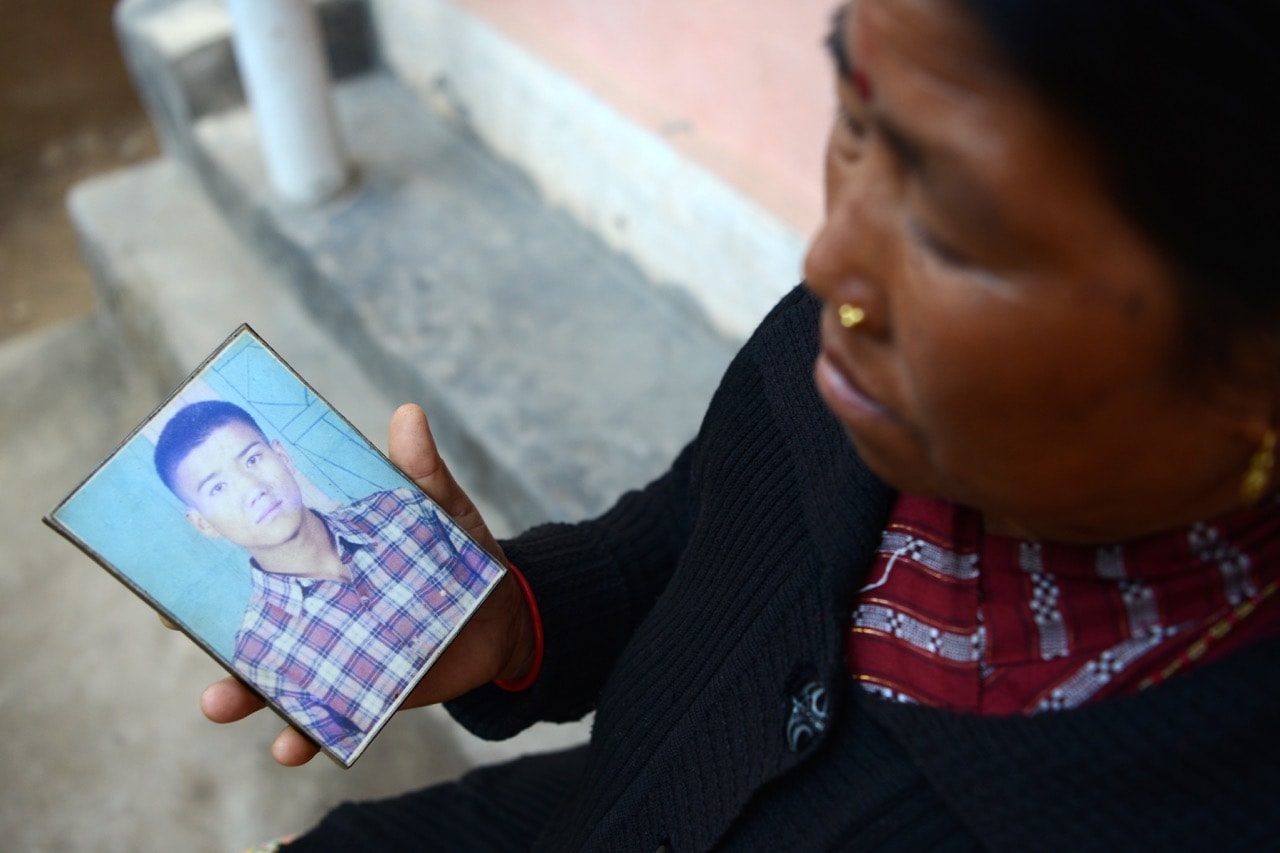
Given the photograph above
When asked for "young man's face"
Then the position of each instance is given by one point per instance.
(241, 488)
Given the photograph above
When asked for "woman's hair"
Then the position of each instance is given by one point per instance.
(1180, 98)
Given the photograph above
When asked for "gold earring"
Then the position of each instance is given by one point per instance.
(1258, 475)
(851, 315)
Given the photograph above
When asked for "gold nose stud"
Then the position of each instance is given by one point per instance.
(851, 315)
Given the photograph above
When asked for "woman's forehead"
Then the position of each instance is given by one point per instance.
(935, 38)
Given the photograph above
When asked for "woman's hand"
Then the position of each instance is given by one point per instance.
(497, 642)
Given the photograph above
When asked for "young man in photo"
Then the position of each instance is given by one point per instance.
(348, 605)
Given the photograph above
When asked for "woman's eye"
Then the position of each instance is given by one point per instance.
(849, 139)
(852, 123)
(941, 251)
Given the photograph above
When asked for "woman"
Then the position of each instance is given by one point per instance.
(977, 545)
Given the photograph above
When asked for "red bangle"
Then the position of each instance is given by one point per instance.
(515, 685)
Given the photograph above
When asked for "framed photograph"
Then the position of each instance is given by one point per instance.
(262, 524)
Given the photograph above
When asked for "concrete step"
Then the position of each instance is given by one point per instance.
(555, 371)
(624, 180)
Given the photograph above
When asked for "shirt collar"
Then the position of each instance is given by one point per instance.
(287, 591)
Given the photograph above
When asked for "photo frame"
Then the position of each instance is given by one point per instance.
(262, 524)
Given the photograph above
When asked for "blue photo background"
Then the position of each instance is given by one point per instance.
(125, 513)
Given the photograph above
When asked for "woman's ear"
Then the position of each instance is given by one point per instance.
(1246, 387)
(1246, 392)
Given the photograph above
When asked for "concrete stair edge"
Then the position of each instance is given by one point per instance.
(535, 465)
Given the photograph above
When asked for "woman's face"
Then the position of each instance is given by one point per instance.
(1020, 344)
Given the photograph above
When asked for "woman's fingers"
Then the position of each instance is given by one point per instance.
(228, 700)
(412, 449)
(293, 749)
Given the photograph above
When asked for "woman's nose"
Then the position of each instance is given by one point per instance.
(849, 259)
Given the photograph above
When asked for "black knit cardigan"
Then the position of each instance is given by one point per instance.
(702, 619)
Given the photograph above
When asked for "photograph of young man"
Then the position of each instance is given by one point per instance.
(348, 605)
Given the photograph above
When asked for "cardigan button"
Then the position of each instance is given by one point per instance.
(810, 712)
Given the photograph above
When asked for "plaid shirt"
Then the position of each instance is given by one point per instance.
(336, 656)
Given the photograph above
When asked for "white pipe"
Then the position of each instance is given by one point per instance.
(286, 80)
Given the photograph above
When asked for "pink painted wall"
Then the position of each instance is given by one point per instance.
(742, 86)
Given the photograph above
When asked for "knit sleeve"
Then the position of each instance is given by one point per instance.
(594, 583)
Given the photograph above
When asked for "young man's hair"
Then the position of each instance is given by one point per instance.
(189, 428)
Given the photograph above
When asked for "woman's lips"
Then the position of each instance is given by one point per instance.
(843, 395)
